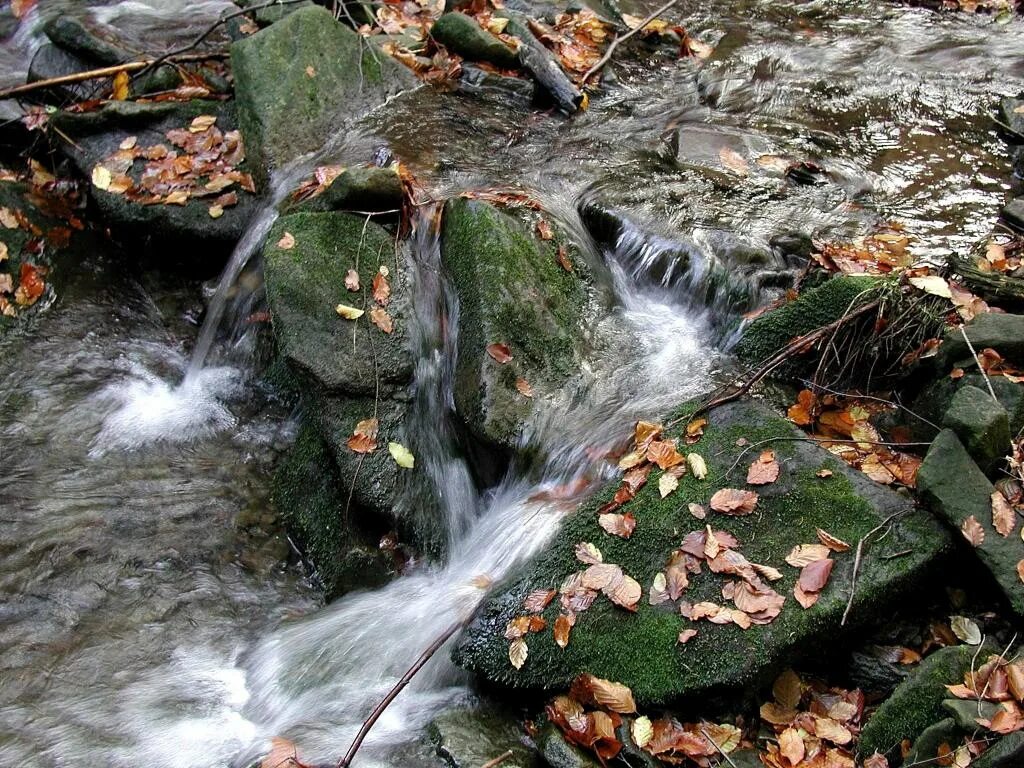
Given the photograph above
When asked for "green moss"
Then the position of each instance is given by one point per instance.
(916, 703)
(640, 649)
(813, 309)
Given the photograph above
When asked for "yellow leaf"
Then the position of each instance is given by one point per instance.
(642, 731)
(517, 653)
(697, 465)
(216, 211)
(120, 86)
(287, 241)
(403, 456)
(933, 284)
(347, 312)
(101, 177)
(667, 483)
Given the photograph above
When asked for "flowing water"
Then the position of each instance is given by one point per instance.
(149, 614)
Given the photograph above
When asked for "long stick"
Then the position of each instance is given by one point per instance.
(858, 558)
(619, 40)
(406, 678)
(93, 74)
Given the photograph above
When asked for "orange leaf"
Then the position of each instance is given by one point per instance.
(830, 541)
(381, 288)
(764, 470)
(538, 600)
(563, 626)
(617, 525)
(730, 501)
(499, 352)
(364, 436)
(523, 387)
(382, 319)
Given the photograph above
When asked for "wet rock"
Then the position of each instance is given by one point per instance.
(558, 753)
(359, 189)
(169, 230)
(512, 291)
(477, 81)
(925, 748)
(464, 36)
(965, 712)
(871, 673)
(1008, 752)
(955, 488)
(470, 736)
(1011, 115)
(814, 308)
(274, 13)
(640, 649)
(308, 491)
(70, 34)
(916, 704)
(934, 400)
(303, 79)
(1002, 332)
(49, 62)
(1013, 214)
(982, 425)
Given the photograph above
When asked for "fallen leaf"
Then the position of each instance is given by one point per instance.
(544, 230)
(828, 729)
(202, 123)
(121, 81)
(499, 352)
(616, 524)
(933, 284)
(664, 454)
(824, 473)
(615, 697)
(523, 387)
(403, 456)
(733, 160)
(667, 484)
(805, 554)
(588, 553)
(282, 754)
(287, 241)
(731, 501)
(686, 635)
(814, 576)
(830, 541)
(973, 532)
(364, 436)
(965, 629)
(538, 600)
(216, 211)
(697, 465)
(101, 177)
(806, 599)
(764, 470)
(791, 744)
(1004, 519)
(563, 259)
(563, 626)
(128, 143)
(381, 289)
(517, 653)
(788, 689)
(352, 280)
(641, 730)
(380, 317)
(347, 312)
(310, 72)
(30, 285)
(697, 511)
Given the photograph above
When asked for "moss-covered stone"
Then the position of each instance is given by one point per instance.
(464, 36)
(470, 736)
(815, 308)
(308, 493)
(640, 649)
(359, 189)
(916, 704)
(174, 231)
(981, 423)
(301, 80)
(1008, 752)
(511, 290)
(955, 488)
(926, 746)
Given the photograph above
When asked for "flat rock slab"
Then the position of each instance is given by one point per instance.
(640, 649)
(304, 79)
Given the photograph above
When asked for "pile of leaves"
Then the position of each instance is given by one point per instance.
(848, 418)
(878, 254)
(815, 726)
(205, 167)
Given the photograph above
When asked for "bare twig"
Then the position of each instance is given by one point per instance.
(397, 689)
(714, 743)
(499, 759)
(94, 74)
(859, 557)
(981, 368)
(620, 39)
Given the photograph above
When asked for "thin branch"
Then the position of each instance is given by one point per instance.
(499, 759)
(981, 368)
(714, 743)
(858, 559)
(93, 74)
(397, 689)
(620, 39)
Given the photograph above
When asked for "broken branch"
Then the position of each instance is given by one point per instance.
(620, 39)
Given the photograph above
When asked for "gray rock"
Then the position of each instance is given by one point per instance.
(951, 484)
(966, 712)
(301, 80)
(464, 36)
(69, 33)
(1013, 214)
(1002, 332)
(359, 189)
(272, 13)
(982, 425)
(558, 753)
(470, 736)
(1011, 115)
(926, 746)
(477, 81)
(874, 674)
(1008, 752)
(49, 62)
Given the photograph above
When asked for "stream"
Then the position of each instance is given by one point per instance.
(151, 614)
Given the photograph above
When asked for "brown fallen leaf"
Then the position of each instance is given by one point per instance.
(381, 288)
(380, 317)
(824, 473)
(287, 241)
(352, 280)
(804, 554)
(588, 553)
(364, 436)
(617, 525)
(563, 627)
(830, 541)
(1004, 519)
(282, 754)
(731, 501)
(697, 511)
(972, 531)
(517, 653)
(686, 635)
(544, 230)
(764, 470)
(499, 352)
(806, 599)
(615, 697)
(538, 600)
(523, 387)
(814, 576)
(563, 259)
(734, 161)
(664, 454)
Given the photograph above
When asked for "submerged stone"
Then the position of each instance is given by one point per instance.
(464, 36)
(304, 79)
(981, 423)
(511, 291)
(956, 489)
(640, 649)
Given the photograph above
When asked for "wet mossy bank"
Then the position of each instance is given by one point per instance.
(640, 649)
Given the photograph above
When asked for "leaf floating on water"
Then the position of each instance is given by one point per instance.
(347, 312)
(283, 754)
(403, 456)
(731, 501)
(499, 352)
(523, 387)
(287, 241)
(382, 319)
(1004, 519)
(973, 532)
(381, 288)
(965, 629)
(101, 178)
(364, 436)
(517, 653)
(734, 161)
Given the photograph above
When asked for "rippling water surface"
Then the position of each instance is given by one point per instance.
(148, 614)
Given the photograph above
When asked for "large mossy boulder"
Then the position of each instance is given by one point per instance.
(185, 231)
(640, 649)
(953, 486)
(304, 79)
(512, 291)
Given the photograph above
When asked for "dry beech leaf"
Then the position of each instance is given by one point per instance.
(764, 470)
(381, 288)
(588, 553)
(791, 744)
(669, 480)
(642, 731)
(830, 541)
(347, 312)
(824, 473)
(972, 531)
(101, 178)
(686, 635)
(814, 576)
(538, 600)
(517, 653)
(664, 454)
(734, 161)
(544, 230)
(828, 729)
(966, 630)
(499, 352)
(804, 554)
(732, 501)
(698, 511)
(563, 626)
(697, 465)
(658, 593)
(287, 241)
(381, 318)
(364, 436)
(788, 689)
(1004, 519)
(403, 456)
(352, 280)
(523, 387)
(614, 697)
(617, 525)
